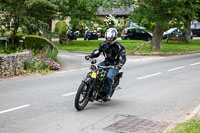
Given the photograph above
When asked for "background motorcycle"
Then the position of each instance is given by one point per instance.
(91, 88)
(99, 30)
(72, 35)
(90, 35)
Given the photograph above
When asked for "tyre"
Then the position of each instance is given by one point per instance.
(116, 82)
(82, 96)
(148, 39)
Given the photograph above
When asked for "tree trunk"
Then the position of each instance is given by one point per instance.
(13, 41)
(14, 32)
(156, 43)
(188, 30)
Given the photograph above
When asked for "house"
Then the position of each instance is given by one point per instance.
(118, 12)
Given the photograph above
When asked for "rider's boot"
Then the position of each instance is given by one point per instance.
(107, 97)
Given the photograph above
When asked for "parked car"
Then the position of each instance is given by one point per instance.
(133, 33)
(174, 32)
(195, 28)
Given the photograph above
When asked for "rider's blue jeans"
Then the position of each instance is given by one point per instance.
(109, 78)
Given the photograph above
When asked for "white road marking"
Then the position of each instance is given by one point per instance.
(143, 59)
(64, 56)
(149, 75)
(15, 108)
(197, 63)
(71, 70)
(79, 55)
(84, 69)
(173, 69)
(61, 72)
(69, 94)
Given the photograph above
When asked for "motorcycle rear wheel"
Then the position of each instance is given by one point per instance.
(117, 79)
(82, 96)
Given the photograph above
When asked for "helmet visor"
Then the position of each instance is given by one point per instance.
(110, 38)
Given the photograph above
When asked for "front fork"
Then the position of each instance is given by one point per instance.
(90, 83)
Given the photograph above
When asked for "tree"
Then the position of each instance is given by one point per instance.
(191, 12)
(29, 15)
(163, 13)
(79, 10)
(40, 15)
(14, 12)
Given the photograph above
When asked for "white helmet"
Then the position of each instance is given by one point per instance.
(111, 33)
(86, 28)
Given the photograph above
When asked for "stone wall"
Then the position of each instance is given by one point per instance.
(12, 64)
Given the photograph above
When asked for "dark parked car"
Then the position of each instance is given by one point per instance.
(174, 32)
(132, 33)
(195, 28)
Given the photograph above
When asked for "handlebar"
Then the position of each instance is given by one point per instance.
(94, 61)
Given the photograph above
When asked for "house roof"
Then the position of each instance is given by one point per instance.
(116, 11)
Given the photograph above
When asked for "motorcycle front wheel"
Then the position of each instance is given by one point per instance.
(82, 96)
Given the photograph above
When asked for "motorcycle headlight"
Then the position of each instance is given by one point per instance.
(93, 67)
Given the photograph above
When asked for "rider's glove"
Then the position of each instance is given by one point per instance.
(87, 57)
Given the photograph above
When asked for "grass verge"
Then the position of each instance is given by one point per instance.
(192, 126)
(172, 48)
(91, 45)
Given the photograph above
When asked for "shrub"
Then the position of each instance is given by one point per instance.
(6, 33)
(42, 62)
(36, 43)
(60, 28)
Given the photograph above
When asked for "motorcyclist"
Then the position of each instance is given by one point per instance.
(115, 55)
(68, 30)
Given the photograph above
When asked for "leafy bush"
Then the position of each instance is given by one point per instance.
(42, 62)
(36, 43)
(6, 33)
(60, 28)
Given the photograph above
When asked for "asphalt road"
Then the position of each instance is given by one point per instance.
(159, 90)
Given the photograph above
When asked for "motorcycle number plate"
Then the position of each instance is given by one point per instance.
(93, 74)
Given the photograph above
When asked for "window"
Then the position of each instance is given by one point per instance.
(178, 31)
(198, 25)
(138, 31)
(195, 26)
(192, 26)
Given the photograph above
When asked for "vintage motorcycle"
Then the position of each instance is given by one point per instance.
(91, 87)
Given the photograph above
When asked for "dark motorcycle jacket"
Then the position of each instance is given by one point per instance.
(115, 54)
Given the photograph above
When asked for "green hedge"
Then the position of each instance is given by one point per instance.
(36, 43)
(60, 28)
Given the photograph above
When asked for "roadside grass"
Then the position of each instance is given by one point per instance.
(192, 126)
(173, 47)
(91, 45)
